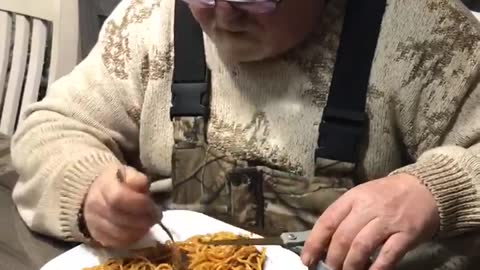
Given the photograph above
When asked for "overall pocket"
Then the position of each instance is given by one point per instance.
(199, 181)
(273, 201)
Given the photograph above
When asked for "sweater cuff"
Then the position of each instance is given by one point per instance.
(77, 180)
(453, 189)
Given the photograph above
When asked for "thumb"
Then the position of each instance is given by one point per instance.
(136, 180)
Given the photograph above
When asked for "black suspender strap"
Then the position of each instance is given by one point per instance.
(344, 120)
(191, 76)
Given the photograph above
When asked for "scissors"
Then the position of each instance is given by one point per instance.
(293, 241)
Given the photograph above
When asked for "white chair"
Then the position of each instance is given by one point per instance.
(476, 14)
(31, 32)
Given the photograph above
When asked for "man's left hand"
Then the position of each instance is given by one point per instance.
(390, 215)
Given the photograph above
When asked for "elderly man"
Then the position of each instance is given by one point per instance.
(246, 150)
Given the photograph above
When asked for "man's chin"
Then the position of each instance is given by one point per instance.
(238, 47)
(236, 53)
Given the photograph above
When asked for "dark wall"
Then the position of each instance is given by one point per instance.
(473, 4)
(92, 15)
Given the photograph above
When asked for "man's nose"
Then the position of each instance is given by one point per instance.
(226, 11)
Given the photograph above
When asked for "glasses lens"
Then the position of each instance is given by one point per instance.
(201, 3)
(262, 6)
(256, 7)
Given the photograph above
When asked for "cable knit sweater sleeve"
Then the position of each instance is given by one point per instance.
(88, 119)
(436, 105)
(451, 171)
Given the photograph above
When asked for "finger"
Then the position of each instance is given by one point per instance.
(323, 230)
(133, 221)
(392, 251)
(111, 235)
(136, 180)
(368, 240)
(122, 198)
(343, 237)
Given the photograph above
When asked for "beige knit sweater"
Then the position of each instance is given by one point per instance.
(423, 103)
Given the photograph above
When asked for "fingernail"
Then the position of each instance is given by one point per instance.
(307, 259)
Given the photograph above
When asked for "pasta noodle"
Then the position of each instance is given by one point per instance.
(200, 256)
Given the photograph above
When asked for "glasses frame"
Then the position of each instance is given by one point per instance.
(245, 5)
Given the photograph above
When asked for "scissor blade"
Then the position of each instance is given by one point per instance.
(322, 266)
(247, 242)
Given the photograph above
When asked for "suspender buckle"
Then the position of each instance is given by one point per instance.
(340, 135)
(191, 99)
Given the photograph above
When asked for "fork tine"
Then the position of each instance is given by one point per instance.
(167, 231)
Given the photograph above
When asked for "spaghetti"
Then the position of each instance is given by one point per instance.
(200, 256)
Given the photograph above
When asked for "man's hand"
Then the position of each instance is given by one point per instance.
(391, 215)
(118, 214)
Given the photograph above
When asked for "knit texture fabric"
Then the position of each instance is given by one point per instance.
(423, 105)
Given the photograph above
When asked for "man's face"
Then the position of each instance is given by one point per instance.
(241, 36)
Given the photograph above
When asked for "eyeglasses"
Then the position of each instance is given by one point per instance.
(251, 6)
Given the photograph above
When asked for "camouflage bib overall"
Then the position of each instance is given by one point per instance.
(256, 198)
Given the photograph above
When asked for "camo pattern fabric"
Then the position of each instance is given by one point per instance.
(237, 192)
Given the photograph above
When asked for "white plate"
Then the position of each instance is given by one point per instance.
(183, 224)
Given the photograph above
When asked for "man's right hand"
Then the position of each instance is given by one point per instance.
(118, 214)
